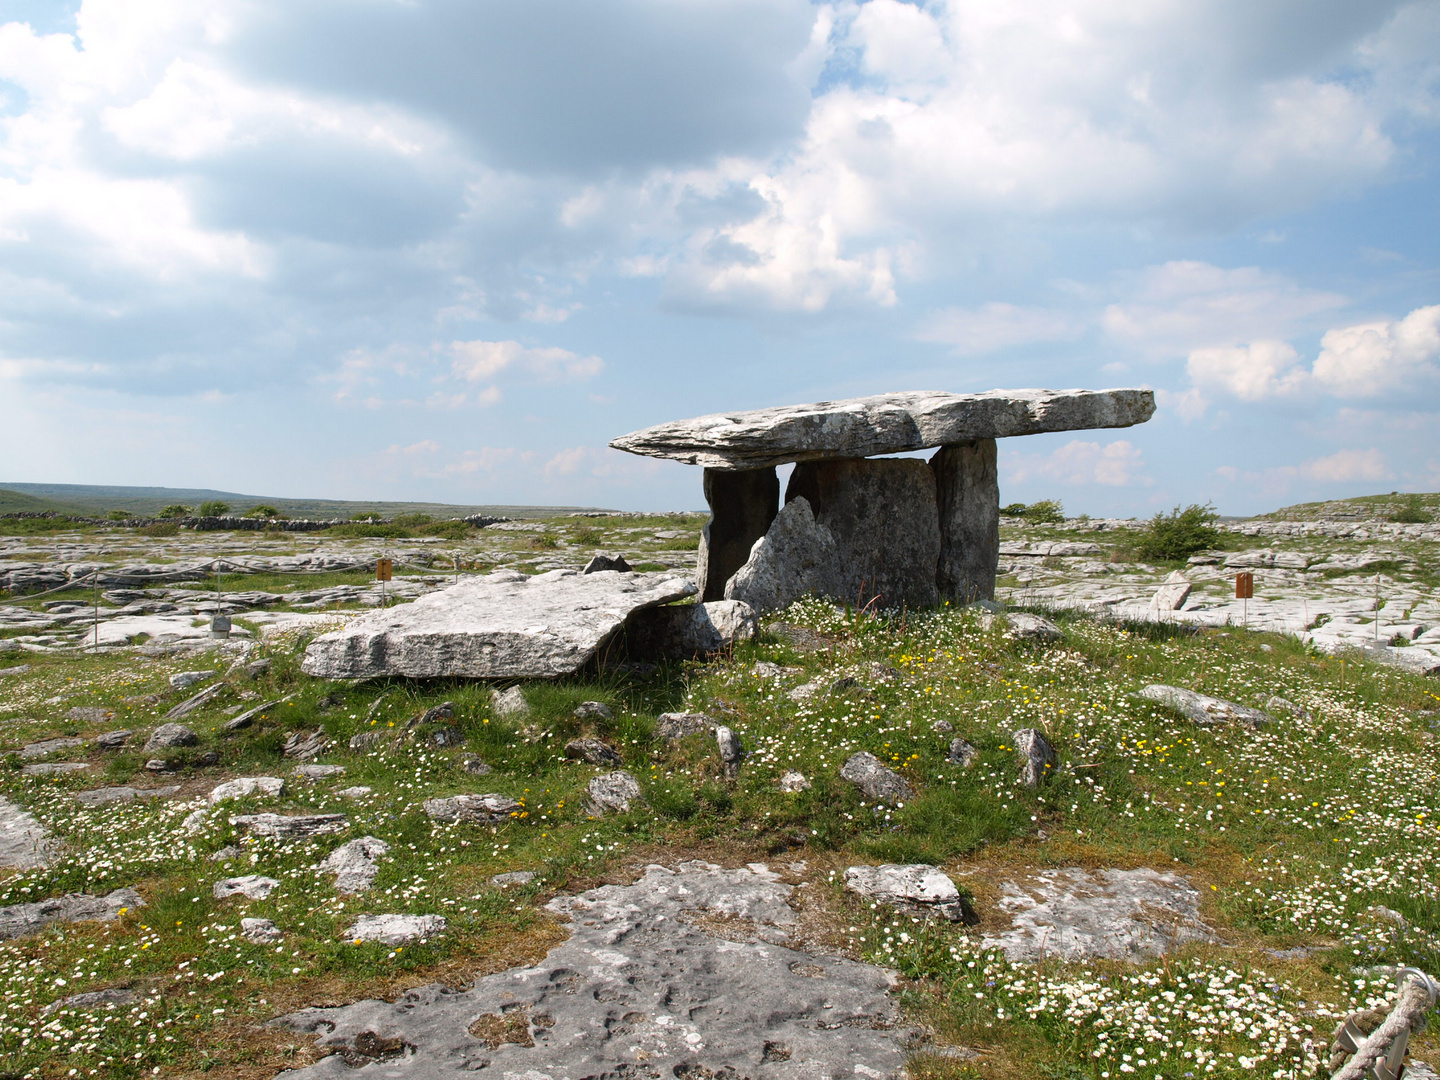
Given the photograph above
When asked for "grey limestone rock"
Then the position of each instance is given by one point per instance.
(107, 795)
(319, 772)
(792, 782)
(509, 702)
(687, 963)
(1171, 596)
(250, 886)
(914, 887)
(764, 669)
(942, 727)
(681, 725)
(591, 711)
(503, 625)
(486, 809)
(882, 424)
(24, 842)
(46, 747)
(113, 740)
(1029, 627)
(682, 631)
(962, 753)
(244, 786)
(169, 735)
(290, 828)
(395, 929)
(53, 768)
(613, 792)
(90, 714)
(356, 792)
(1203, 709)
(1037, 756)
(355, 864)
(606, 562)
(189, 705)
(90, 1001)
(260, 931)
(742, 506)
(20, 919)
(1076, 915)
(865, 771)
(475, 766)
(304, 745)
(732, 752)
(796, 557)
(967, 498)
(247, 718)
(183, 680)
(591, 750)
(515, 877)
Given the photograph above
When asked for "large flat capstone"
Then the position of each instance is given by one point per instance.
(882, 424)
(503, 625)
(682, 974)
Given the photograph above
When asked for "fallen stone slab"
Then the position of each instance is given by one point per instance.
(503, 625)
(877, 781)
(319, 772)
(882, 424)
(915, 887)
(685, 967)
(46, 747)
(613, 793)
(796, 557)
(90, 1001)
(1203, 709)
(289, 828)
(1075, 914)
(244, 786)
(18, 920)
(355, 864)
(250, 886)
(185, 708)
(486, 809)
(106, 795)
(395, 929)
(24, 842)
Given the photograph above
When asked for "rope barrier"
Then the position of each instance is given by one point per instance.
(1380, 1054)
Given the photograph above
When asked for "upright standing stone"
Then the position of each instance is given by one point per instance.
(742, 506)
(967, 492)
(883, 517)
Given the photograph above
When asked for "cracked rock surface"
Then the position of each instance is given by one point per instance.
(681, 974)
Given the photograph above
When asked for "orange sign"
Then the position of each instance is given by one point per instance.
(383, 569)
(1244, 586)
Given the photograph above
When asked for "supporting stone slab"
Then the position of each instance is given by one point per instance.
(967, 493)
(883, 516)
(742, 506)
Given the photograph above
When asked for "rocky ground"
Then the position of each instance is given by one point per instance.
(948, 843)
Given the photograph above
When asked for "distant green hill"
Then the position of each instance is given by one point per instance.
(97, 499)
(1395, 505)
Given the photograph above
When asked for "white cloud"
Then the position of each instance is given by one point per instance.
(1346, 466)
(480, 361)
(1116, 464)
(996, 326)
(1381, 357)
(1255, 372)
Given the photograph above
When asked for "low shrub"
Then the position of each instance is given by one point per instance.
(1179, 534)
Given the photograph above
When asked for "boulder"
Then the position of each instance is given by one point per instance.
(967, 499)
(613, 793)
(395, 929)
(607, 562)
(882, 424)
(503, 625)
(486, 809)
(1203, 709)
(245, 786)
(289, 828)
(355, 864)
(1037, 756)
(20, 919)
(796, 557)
(681, 725)
(682, 631)
(170, 735)
(251, 886)
(591, 750)
(1171, 596)
(865, 771)
(916, 888)
(742, 506)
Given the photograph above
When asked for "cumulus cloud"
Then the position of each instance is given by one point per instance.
(1255, 372)
(996, 326)
(1115, 464)
(1381, 357)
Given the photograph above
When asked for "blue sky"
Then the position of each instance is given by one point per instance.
(447, 249)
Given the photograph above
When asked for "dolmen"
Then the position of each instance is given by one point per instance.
(862, 529)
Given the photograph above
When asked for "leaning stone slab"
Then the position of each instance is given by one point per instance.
(1205, 710)
(290, 828)
(684, 631)
(1075, 914)
(877, 781)
(685, 963)
(914, 887)
(20, 919)
(797, 556)
(486, 809)
(24, 843)
(882, 424)
(497, 626)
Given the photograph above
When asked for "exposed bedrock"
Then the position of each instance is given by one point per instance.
(742, 506)
(967, 496)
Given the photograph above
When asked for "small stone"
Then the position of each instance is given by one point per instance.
(356, 792)
(475, 766)
(160, 765)
(914, 887)
(1276, 704)
(183, 680)
(18, 669)
(87, 1002)
(1029, 627)
(962, 753)
(46, 747)
(613, 792)
(731, 751)
(509, 703)
(942, 727)
(602, 562)
(318, 772)
(251, 886)
(515, 877)
(591, 750)
(764, 669)
(195, 821)
(225, 854)
(287, 828)
(792, 782)
(865, 771)
(53, 768)
(488, 809)
(355, 864)
(807, 691)
(260, 931)
(245, 786)
(1204, 710)
(395, 929)
(304, 745)
(208, 758)
(593, 711)
(113, 740)
(257, 669)
(680, 725)
(1037, 756)
(170, 735)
